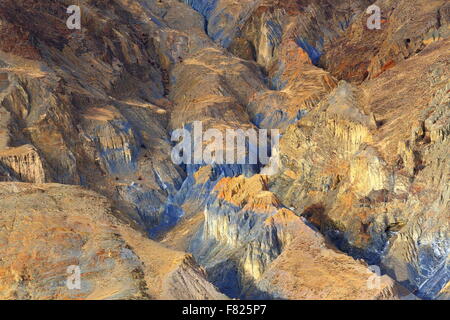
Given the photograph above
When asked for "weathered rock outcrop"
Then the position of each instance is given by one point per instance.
(23, 163)
(370, 176)
(311, 24)
(299, 87)
(253, 247)
(364, 162)
(407, 28)
(92, 102)
(46, 228)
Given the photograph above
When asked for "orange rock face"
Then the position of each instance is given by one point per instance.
(48, 228)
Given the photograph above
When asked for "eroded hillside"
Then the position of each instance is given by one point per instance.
(87, 178)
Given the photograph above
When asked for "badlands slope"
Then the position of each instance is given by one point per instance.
(86, 176)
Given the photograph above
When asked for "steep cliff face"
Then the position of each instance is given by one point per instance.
(23, 163)
(88, 107)
(407, 28)
(298, 86)
(311, 24)
(254, 29)
(234, 243)
(253, 247)
(356, 167)
(364, 164)
(93, 106)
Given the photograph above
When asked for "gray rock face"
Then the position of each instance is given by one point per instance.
(234, 243)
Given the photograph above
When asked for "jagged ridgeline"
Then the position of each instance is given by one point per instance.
(93, 205)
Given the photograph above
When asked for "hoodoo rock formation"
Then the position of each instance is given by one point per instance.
(358, 207)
